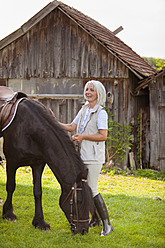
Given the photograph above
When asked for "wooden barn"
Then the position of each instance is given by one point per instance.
(58, 50)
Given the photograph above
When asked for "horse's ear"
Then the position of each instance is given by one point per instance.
(21, 95)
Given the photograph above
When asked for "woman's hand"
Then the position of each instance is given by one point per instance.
(101, 136)
(77, 137)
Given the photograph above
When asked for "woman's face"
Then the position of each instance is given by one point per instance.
(90, 93)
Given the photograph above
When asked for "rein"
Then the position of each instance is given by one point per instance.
(73, 193)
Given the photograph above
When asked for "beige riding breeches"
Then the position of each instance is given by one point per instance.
(93, 177)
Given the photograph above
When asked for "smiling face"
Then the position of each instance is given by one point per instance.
(91, 94)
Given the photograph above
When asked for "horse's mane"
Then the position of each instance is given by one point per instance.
(62, 136)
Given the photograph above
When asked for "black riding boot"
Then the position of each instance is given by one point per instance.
(95, 220)
(103, 212)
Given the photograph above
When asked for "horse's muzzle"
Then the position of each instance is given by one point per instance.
(82, 230)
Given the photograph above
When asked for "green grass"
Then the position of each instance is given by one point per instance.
(138, 219)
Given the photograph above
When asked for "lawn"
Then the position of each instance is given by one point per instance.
(137, 217)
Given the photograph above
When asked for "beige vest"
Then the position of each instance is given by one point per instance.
(92, 152)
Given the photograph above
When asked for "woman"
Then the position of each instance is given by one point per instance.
(91, 124)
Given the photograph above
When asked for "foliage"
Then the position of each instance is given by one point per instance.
(148, 173)
(151, 61)
(118, 141)
(137, 218)
(160, 63)
(145, 173)
(113, 170)
(156, 63)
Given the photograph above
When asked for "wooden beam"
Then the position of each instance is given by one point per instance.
(55, 96)
(118, 30)
(39, 16)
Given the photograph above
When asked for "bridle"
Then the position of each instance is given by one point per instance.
(73, 193)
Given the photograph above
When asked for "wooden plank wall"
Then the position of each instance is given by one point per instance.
(161, 110)
(57, 47)
(65, 107)
(157, 123)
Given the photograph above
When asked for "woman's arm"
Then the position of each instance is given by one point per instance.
(68, 127)
(101, 136)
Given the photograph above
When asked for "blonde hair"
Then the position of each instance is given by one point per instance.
(100, 89)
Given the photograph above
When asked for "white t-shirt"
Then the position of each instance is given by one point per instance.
(102, 119)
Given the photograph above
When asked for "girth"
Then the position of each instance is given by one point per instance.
(8, 106)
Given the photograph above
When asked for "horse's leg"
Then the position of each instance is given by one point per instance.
(38, 220)
(10, 187)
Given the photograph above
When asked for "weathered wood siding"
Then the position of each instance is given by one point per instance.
(157, 122)
(65, 107)
(58, 47)
(124, 105)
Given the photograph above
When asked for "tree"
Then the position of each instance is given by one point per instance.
(151, 61)
(156, 63)
(160, 63)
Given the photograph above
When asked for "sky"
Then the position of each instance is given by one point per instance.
(143, 20)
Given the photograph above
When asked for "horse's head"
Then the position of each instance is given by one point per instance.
(76, 205)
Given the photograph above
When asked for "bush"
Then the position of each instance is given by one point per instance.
(143, 173)
(156, 175)
(118, 141)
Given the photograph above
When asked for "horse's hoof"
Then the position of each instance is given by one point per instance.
(46, 229)
(12, 220)
(10, 217)
(41, 224)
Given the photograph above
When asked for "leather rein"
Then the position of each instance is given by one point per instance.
(73, 193)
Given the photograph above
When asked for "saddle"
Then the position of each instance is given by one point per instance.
(5, 94)
(8, 106)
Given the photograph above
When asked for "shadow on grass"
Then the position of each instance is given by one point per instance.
(137, 222)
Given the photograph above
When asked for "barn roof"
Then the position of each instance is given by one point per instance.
(100, 33)
(144, 83)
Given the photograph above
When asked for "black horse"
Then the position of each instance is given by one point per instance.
(34, 139)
